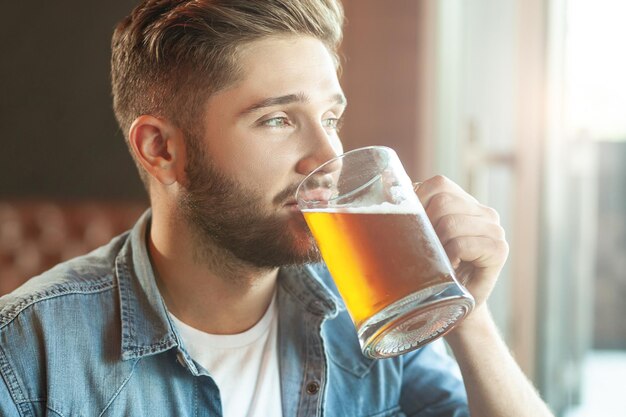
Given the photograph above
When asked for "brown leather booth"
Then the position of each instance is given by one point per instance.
(36, 235)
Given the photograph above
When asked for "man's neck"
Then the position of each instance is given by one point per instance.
(208, 288)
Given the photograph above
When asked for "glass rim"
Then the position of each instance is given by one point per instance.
(338, 157)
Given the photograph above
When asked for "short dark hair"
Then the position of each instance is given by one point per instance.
(169, 56)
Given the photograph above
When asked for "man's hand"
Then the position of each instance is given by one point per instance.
(470, 233)
(474, 241)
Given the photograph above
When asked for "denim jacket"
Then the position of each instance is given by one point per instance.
(92, 337)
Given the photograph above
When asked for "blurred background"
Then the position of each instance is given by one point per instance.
(522, 102)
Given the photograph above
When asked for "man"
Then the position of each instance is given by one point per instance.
(212, 305)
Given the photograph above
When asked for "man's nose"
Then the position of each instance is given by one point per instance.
(320, 148)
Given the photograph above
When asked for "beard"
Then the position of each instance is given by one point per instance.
(225, 214)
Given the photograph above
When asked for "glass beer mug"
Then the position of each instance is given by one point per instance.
(382, 251)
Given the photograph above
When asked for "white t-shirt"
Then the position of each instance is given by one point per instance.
(244, 366)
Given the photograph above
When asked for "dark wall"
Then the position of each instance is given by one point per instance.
(59, 136)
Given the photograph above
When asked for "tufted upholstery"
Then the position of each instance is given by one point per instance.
(36, 235)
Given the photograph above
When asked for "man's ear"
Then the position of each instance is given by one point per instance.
(158, 145)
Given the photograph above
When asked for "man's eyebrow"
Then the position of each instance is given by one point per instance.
(288, 99)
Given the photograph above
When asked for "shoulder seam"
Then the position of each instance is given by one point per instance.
(13, 311)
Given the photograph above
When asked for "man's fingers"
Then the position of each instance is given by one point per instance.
(453, 226)
(437, 185)
(481, 252)
(443, 204)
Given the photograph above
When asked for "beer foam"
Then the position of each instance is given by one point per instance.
(406, 207)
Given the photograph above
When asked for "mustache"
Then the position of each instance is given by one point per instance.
(286, 194)
(290, 192)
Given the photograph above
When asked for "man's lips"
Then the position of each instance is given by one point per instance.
(317, 196)
(292, 205)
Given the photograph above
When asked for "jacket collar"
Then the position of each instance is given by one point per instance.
(312, 287)
(146, 328)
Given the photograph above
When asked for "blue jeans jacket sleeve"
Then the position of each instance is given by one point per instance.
(432, 385)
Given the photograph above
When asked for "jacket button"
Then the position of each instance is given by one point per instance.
(312, 388)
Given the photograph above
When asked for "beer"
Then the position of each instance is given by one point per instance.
(378, 255)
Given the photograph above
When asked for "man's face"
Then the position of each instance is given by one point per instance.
(261, 138)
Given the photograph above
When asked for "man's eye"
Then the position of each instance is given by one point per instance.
(276, 122)
(333, 123)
